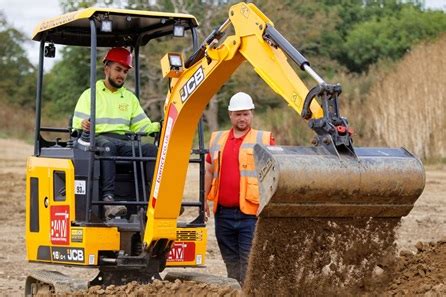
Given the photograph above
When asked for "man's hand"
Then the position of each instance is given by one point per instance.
(207, 187)
(207, 212)
(86, 125)
(156, 126)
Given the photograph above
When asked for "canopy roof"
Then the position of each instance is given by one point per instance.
(127, 26)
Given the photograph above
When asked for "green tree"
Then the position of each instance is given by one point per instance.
(367, 31)
(18, 74)
(67, 79)
(390, 37)
(70, 76)
(209, 14)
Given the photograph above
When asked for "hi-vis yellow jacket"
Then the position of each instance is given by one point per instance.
(117, 112)
(249, 188)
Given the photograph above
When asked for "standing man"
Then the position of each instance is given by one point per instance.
(231, 183)
(117, 112)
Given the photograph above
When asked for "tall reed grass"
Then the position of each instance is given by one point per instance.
(399, 104)
(286, 126)
(407, 107)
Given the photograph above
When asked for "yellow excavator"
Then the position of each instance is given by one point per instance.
(332, 178)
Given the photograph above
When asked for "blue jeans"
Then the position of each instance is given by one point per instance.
(234, 231)
(120, 146)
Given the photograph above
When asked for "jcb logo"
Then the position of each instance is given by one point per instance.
(63, 254)
(75, 255)
(191, 84)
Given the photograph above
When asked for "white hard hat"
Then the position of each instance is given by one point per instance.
(240, 101)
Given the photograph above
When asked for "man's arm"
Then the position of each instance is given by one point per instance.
(140, 122)
(207, 183)
(82, 112)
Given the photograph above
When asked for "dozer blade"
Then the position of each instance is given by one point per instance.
(311, 182)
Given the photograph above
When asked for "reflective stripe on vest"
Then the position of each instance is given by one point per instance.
(249, 190)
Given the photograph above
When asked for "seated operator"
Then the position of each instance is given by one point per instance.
(117, 111)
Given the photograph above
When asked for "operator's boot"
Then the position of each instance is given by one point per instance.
(112, 211)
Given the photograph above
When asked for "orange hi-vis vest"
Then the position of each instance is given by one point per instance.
(249, 188)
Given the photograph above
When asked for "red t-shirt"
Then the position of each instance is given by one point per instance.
(229, 190)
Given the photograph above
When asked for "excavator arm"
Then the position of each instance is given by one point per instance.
(192, 86)
(191, 91)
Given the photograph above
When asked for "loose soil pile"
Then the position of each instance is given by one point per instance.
(159, 288)
(421, 273)
(337, 257)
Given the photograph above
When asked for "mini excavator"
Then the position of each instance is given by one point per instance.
(332, 178)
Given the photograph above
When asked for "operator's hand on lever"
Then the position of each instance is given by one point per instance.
(154, 127)
(86, 125)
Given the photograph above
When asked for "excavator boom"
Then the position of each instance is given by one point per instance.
(331, 179)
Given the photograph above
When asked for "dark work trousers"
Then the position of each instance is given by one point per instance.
(234, 231)
(119, 145)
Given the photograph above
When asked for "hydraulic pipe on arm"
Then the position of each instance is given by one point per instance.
(209, 68)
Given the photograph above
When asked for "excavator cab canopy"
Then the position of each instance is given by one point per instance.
(104, 28)
(114, 27)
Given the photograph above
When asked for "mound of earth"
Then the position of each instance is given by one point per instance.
(160, 288)
(423, 272)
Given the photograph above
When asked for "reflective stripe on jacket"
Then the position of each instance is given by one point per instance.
(249, 189)
(116, 112)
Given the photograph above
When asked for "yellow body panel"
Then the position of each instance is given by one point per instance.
(81, 246)
(55, 239)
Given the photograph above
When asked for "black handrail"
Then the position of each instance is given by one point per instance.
(39, 98)
(93, 55)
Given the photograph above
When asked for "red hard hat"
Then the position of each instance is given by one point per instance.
(119, 55)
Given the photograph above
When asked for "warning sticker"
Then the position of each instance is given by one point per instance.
(91, 259)
(77, 235)
(173, 113)
(80, 187)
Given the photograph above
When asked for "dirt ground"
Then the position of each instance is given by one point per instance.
(420, 268)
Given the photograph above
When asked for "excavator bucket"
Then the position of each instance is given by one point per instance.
(313, 182)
